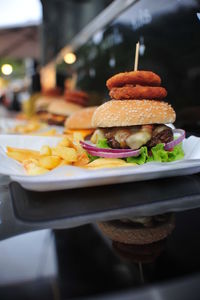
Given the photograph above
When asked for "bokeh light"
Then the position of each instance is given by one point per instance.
(70, 58)
(6, 69)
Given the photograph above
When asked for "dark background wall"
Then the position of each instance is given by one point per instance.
(63, 19)
(169, 34)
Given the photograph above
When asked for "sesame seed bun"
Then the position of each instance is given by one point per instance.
(61, 107)
(81, 119)
(117, 113)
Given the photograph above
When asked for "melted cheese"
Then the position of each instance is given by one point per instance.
(136, 140)
(133, 137)
(98, 135)
(84, 132)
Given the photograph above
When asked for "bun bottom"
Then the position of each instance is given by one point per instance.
(128, 233)
(43, 116)
(56, 120)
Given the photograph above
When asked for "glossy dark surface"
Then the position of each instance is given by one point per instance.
(89, 267)
(80, 206)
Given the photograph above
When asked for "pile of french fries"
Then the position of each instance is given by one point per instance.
(27, 127)
(67, 152)
(34, 127)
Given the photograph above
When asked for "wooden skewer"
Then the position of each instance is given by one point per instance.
(136, 56)
(74, 81)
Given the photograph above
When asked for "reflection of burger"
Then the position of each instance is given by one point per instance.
(139, 231)
(59, 110)
(80, 121)
(135, 129)
(139, 239)
(139, 253)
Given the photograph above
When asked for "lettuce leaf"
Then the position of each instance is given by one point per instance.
(91, 157)
(158, 154)
(176, 154)
(141, 159)
(102, 144)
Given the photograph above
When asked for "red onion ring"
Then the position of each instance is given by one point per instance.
(88, 146)
(123, 153)
(112, 154)
(173, 143)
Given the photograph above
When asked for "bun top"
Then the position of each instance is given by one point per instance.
(117, 113)
(42, 103)
(81, 119)
(63, 108)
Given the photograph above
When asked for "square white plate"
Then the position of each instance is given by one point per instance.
(68, 177)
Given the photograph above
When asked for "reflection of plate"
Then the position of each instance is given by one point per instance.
(71, 177)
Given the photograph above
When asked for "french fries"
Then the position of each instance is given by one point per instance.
(28, 127)
(32, 167)
(107, 163)
(67, 152)
(45, 150)
(50, 132)
(22, 154)
(49, 162)
(34, 127)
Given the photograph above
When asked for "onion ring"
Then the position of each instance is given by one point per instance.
(173, 143)
(134, 77)
(109, 150)
(114, 155)
(137, 92)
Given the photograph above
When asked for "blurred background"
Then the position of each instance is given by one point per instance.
(48, 42)
(46, 48)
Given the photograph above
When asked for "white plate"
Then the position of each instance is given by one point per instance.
(67, 177)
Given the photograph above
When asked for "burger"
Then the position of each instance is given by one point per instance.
(60, 110)
(144, 254)
(41, 108)
(136, 129)
(81, 121)
(139, 230)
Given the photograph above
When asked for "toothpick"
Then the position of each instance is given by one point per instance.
(136, 56)
(74, 81)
